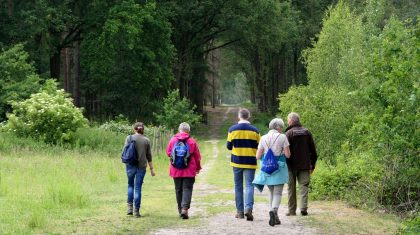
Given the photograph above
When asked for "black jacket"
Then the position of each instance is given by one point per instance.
(302, 148)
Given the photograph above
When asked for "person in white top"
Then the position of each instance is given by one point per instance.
(279, 144)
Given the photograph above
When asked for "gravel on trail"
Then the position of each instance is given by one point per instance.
(226, 223)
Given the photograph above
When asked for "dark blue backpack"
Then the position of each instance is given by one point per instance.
(180, 155)
(269, 163)
(129, 154)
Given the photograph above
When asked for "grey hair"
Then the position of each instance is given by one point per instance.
(276, 123)
(184, 127)
(244, 113)
(294, 117)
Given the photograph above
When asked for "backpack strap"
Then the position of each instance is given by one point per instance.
(273, 141)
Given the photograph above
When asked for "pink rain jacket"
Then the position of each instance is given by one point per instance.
(194, 163)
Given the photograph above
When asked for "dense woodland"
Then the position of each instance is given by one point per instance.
(350, 68)
(122, 57)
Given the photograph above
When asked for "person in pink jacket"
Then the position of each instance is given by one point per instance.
(184, 176)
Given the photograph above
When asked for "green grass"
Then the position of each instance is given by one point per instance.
(335, 217)
(74, 193)
(221, 175)
(80, 189)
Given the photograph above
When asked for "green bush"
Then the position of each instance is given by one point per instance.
(119, 125)
(175, 111)
(97, 139)
(49, 116)
(18, 79)
(410, 226)
(361, 104)
(261, 121)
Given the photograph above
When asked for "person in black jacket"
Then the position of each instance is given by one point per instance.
(300, 164)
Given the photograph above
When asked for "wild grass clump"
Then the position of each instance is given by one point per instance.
(37, 219)
(68, 193)
(97, 139)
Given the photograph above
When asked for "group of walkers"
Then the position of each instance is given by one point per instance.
(285, 158)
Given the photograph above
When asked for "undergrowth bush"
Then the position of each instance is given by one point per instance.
(97, 139)
(175, 111)
(49, 116)
(410, 226)
(361, 104)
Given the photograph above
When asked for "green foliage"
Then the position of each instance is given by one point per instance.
(129, 59)
(175, 111)
(361, 103)
(18, 79)
(119, 125)
(49, 116)
(261, 121)
(410, 226)
(92, 138)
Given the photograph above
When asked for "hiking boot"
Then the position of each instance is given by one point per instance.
(276, 217)
(304, 213)
(184, 214)
(272, 221)
(249, 215)
(240, 215)
(137, 212)
(290, 213)
(129, 208)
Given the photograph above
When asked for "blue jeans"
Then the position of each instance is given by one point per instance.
(238, 174)
(135, 177)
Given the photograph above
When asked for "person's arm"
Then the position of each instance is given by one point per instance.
(286, 151)
(229, 141)
(197, 156)
(152, 171)
(149, 159)
(260, 152)
(312, 149)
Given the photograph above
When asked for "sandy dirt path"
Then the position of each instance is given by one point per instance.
(226, 223)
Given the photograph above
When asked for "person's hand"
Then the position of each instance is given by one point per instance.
(152, 172)
(198, 172)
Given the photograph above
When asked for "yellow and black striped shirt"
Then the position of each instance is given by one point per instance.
(243, 139)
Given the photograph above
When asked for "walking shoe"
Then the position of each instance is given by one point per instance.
(276, 217)
(249, 215)
(290, 213)
(272, 221)
(240, 215)
(184, 214)
(304, 213)
(137, 212)
(129, 208)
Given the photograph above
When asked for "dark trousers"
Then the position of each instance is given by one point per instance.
(303, 177)
(183, 191)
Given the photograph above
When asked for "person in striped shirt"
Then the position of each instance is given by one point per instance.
(242, 140)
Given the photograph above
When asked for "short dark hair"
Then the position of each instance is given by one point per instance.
(244, 113)
(139, 127)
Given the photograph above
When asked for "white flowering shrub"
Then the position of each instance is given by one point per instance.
(49, 115)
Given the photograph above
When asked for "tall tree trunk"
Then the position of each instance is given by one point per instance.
(295, 61)
(55, 64)
(197, 83)
(258, 81)
(76, 74)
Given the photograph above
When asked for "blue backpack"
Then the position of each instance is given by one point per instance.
(180, 155)
(269, 163)
(129, 154)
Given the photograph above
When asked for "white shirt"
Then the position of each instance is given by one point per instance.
(275, 140)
